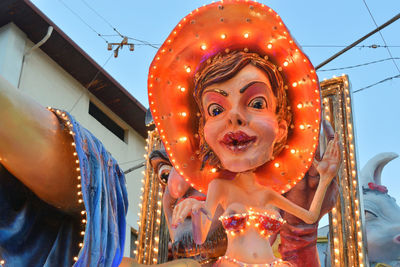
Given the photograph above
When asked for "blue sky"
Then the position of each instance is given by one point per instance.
(313, 22)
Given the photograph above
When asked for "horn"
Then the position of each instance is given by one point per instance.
(372, 170)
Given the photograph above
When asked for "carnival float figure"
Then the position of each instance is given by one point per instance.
(382, 213)
(63, 198)
(177, 190)
(298, 240)
(250, 132)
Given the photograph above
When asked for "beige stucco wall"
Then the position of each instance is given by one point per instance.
(50, 85)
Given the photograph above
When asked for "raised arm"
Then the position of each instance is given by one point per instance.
(202, 211)
(35, 149)
(327, 169)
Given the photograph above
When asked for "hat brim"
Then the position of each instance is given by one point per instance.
(222, 27)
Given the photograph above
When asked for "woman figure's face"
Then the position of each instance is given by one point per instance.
(241, 125)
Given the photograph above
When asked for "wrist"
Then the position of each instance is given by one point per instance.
(325, 181)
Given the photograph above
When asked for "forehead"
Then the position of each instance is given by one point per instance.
(246, 75)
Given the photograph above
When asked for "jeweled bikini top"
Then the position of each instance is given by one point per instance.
(267, 224)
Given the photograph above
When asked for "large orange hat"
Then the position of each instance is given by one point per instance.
(226, 26)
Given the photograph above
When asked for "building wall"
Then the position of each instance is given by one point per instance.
(46, 82)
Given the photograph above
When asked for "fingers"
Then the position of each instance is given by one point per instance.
(335, 148)
(178, 212)
(206, 212)
(329, 149)
(328, 130)
(183, 209)
(175, 214)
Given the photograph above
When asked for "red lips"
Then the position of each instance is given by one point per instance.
(237, 141)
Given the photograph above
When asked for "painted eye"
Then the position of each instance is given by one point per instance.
(215, 110)
(369, 215)
(163, 173)
(258, 103)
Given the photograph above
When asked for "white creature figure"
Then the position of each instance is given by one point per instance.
(382, 214)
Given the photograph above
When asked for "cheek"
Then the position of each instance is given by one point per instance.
(266, 127)
(211, 130)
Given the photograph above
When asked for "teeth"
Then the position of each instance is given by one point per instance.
(241, 146)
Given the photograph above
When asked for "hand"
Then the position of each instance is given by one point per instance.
(330, 163)
(184, 208)
(297, 238)
(303, 193)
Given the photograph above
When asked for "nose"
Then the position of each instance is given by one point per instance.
(236, 118)
(177, 186)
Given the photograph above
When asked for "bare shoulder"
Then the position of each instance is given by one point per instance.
(219, 185)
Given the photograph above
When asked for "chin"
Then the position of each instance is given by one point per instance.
(243, 163)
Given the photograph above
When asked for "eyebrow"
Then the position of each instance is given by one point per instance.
(244, 88)
(219, 91)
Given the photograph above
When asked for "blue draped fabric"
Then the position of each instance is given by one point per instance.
(33, 233)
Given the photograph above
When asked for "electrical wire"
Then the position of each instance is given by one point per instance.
(359, 65)
(100, 16)
(374, 46)
(144, 42)
(382, 81)
(380, 33)
(87, 87)
(131, 161)
(116, 30)
(82, 20)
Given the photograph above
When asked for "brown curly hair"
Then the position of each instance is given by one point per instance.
(225, 66)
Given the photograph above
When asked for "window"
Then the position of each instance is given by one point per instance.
(107, 122)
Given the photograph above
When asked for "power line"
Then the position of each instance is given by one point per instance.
(382, 81)
(100, 16)
(140, 165)
(82, 20)
(156, 45)
(115, 29)
(144, 42)
(359, 65)
(358, 41)
(359, 46)
(380, 33)
(87, 87)
(131, 161)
